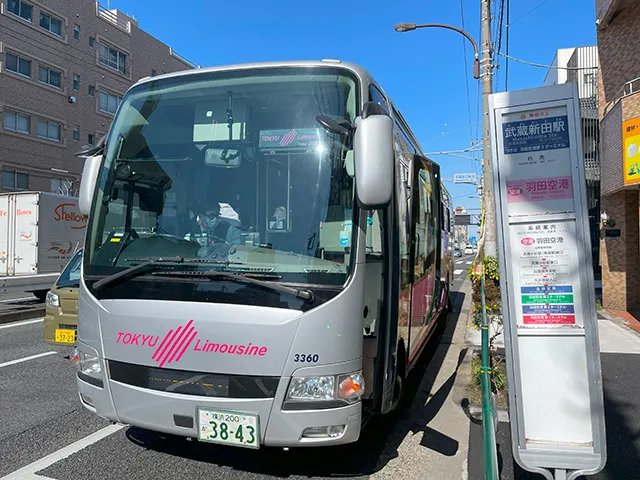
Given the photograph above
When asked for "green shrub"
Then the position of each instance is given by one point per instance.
(498, 377)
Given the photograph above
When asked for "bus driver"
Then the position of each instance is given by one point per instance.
(215, 227)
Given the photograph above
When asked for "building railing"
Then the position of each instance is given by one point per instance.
(630, 88)
(183, 59)
(112, 17)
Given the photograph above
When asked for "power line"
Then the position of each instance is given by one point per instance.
(466, 72)
(530, 11)
(533, 64)
(500, 28)
(506, 67)
(471, 125)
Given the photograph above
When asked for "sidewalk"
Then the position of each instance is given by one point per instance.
(434, 432)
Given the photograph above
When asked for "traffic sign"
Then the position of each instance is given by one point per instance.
(556, 406)
(471, 178)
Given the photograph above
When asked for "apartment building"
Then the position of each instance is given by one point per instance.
(579, 65)
(619, 111)
(64, 67)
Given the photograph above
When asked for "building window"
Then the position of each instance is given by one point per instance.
(76, 134)
(76, 32)
(49, 130)
(15, 180)
(588, 78)
(76, 82)
(92, 42)
(90, 139)
(49, 76)
(20, 8)
(18, 65)
(113, 58)
(51, 24)
(17, 122)
(92, 90)
(109, 103)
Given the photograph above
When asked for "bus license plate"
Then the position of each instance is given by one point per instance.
(228, 428)
(65, 336)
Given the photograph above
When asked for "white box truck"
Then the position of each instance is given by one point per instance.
(39, 232)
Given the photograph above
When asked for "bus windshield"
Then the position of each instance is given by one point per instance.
(229, 170)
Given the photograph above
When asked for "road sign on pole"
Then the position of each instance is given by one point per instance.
(470, 178)
(546, 281)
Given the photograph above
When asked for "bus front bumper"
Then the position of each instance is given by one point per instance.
(176, 414)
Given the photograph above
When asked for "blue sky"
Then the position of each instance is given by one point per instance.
(422, 71)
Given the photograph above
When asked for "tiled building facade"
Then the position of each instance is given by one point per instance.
(619, 101)
(64, 67)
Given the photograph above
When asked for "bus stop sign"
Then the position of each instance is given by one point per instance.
(546, 280)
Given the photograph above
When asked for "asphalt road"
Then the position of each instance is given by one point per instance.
(19, 306)
(6, 297)
(45, 431)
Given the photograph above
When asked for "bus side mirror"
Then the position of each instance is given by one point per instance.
(88, 183)
(374, 160)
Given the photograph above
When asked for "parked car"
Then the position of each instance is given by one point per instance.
(457, 252)
(61, 317)
(468, 250)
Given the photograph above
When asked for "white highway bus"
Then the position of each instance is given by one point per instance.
(267, 253)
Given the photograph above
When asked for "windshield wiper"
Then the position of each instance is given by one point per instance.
(303, 294)
(147, 265)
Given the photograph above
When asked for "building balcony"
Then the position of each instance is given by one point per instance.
(115, 18)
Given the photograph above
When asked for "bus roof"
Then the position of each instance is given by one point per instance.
(364, 76)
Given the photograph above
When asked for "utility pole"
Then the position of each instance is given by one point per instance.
(490, 246)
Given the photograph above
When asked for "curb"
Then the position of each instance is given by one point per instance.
(27, 314)
(463, 377)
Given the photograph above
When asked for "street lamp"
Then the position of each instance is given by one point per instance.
(407, 27)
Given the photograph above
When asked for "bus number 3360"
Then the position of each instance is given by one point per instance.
(306, 357)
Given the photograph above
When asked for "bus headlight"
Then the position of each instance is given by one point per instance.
(89, 369)
(312, 388)
(52, 300)
(327, 391)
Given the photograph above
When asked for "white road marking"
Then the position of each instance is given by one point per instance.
(20, 360)
(469, 263)
(19, 324)
(28, 472)
(457, 272)
(17, 299)
(459, 263)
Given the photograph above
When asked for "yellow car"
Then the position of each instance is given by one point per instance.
(61, 318)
